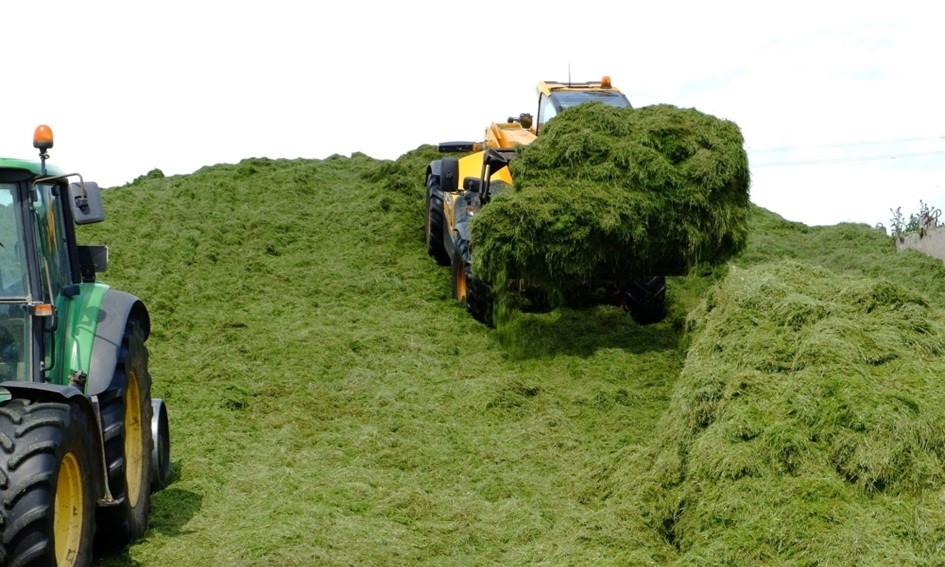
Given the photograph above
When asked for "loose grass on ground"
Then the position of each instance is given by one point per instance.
(331, 405)
(807, 410)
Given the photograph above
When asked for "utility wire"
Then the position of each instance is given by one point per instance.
(848, 159)
(847, 144)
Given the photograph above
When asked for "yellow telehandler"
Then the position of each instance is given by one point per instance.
(458, 187)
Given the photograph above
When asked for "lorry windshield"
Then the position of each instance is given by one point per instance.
(14, 321)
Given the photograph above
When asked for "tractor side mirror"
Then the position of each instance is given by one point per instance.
(92, 260)
(86, 201)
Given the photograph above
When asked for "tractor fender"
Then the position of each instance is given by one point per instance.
(40, 392)
(118, 307)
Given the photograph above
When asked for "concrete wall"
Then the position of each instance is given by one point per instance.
(930, 241)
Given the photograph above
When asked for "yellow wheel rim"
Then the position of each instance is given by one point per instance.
(69, 511)
(134, 452)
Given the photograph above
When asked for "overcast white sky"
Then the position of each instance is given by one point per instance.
(841, 106)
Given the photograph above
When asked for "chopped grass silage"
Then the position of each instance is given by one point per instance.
(616, 194)
(806, 426)
(332, 405)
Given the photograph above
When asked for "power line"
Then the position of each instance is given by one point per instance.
(847, 159)
(847, 144)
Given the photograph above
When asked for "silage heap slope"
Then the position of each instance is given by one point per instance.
(332, 405)
(618, 193)
(807, 425)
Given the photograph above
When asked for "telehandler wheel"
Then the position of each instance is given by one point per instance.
(126, 422)
(47, 484)
(479, 299)
(477, 295)
(645, 299)
(435, 221)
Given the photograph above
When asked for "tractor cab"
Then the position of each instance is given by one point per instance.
(41, 267)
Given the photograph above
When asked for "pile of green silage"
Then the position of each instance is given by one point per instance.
(617, 193)
(806, 427)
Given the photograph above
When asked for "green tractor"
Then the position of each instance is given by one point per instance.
(458, 187)
(82, 442)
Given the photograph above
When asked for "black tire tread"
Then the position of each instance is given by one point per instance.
(435, 222)
(34, 437)
(479, 300)
(645, 299)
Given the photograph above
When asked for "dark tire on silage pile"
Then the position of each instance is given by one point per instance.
(479, 299)
(645, 299)
(447, 180)
(434, 224)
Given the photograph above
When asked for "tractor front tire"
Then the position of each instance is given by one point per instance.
(435, 221)
(46, 484)
(126, 414)
(645, 299)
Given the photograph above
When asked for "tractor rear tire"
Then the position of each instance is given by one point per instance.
(645, 299)
(46, 484)
(469, 289)
(435, 221)
(126, 414)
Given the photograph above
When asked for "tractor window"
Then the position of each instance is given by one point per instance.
(14, 322)
(51, 237)
(12, 272)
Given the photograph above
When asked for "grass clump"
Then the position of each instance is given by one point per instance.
(808, 410)
(618, 193)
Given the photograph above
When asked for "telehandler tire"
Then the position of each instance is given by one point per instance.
(469, 289)
(46, 484)
(645, 299)
(435, 221)
(126, 422)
